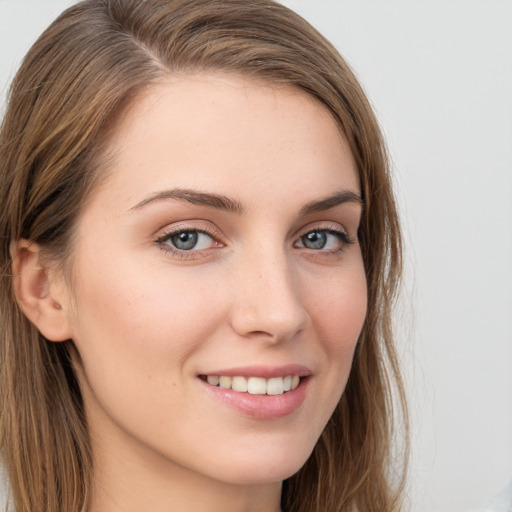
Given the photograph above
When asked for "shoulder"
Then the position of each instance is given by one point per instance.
(502, 502)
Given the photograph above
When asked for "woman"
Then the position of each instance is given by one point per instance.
(200, 249)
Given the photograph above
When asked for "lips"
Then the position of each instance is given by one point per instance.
(260, 392)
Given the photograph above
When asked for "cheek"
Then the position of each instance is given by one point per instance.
(338, 311)
(137, 333)
(142, 318)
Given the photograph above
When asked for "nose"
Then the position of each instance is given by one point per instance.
(267, 301)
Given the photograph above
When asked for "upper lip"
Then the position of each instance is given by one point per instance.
(266, 372)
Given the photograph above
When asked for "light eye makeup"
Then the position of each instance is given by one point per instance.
(330, 239)
(189, 242)
(186, 242)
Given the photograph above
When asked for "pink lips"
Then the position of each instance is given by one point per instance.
(263, 407)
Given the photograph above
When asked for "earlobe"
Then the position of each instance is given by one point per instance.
(39, 291)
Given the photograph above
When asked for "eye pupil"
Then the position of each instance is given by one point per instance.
(185, 241)
(315, 240)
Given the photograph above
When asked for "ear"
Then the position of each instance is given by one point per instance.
(40, 292)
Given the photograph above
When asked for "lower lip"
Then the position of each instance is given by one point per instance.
(261, 407)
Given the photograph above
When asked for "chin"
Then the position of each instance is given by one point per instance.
(263, 466)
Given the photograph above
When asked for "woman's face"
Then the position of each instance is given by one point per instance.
(222, 248)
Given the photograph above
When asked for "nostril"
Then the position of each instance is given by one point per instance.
(266, 323)
(267, 304)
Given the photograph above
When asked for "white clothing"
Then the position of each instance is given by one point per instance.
(502, 502)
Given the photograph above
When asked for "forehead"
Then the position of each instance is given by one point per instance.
(214, 132)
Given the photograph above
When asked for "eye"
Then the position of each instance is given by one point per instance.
(187, 240)
(324, 239)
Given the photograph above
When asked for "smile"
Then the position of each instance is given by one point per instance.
(254, 385)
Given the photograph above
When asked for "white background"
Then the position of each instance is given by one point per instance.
(439, 73)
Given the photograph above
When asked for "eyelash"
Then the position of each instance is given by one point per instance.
(181, 253)
(343, 237)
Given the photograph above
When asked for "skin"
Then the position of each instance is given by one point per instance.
(147, 319)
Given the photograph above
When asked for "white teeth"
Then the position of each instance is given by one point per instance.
(275, 386)
(225, 382)
(255, 385)
(213, 380)
(239, 384)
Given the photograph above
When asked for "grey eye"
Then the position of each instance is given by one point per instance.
(324, 240)
(185, 241)
(315, 240)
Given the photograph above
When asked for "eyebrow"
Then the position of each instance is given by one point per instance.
(336, 199)
(225, 203)
(200, 198)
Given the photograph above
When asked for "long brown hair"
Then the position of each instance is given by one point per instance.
(84, 69)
